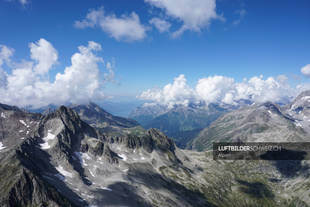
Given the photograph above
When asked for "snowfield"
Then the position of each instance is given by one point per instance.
(49, 137)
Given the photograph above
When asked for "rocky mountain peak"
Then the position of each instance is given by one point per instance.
(271, 107)
(299, 110)
(99, 118)
(303, 94)
(66, 111)
(301, 102)
(162, 142)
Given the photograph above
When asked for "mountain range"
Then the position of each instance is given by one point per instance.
(265, 122)
(182, 123)
(83, 156)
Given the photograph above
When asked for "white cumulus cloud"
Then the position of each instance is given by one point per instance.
(27, 84)
(215, 89)
(194, 14)
(160, 24)
(44, 54)
(123, 28)
(222, 90)
(306, 70)
(5, 58)
(5, 54)
(177, 92)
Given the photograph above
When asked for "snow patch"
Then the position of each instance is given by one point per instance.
(49, 136)
(298, 124)
(269, 112)
(23, 122)
(92, 173)
(64, 172)
(86, 156)
(305, 98)
(2, 146)
(123, 156)
(87, 195)
(3, 115)
(82, 157)
(105, 188)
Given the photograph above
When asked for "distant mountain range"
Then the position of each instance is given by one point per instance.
(117, 108)
(182, 123)
(265, 122)
(84, 156)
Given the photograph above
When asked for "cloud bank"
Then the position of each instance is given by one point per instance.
(223, 90)
(28, 83)
(193, 14)
(124, 28)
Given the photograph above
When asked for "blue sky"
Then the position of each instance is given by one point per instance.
(245, 39)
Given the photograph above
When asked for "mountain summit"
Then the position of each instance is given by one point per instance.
(96, 116)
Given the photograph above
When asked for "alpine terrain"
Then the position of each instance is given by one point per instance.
(84, 156)
(182, 123)
(267, 122)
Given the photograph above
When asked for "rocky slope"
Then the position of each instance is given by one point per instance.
(15, 125)
(66, 162)
(266, 122)
(299, 109)
(69, 163)
(96, 116)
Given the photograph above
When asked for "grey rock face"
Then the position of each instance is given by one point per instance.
(299, 110)
(97, 117)
(67, 162)
(15, 126)
(265, 122)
